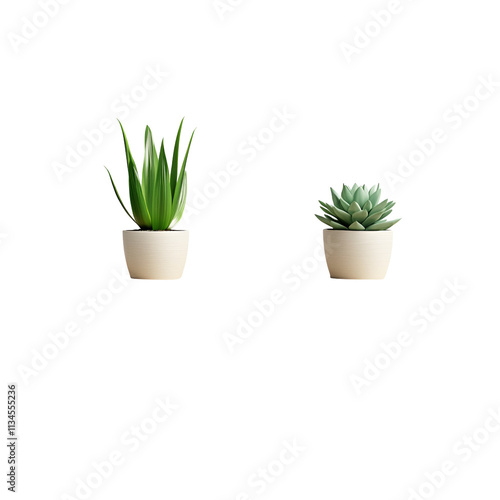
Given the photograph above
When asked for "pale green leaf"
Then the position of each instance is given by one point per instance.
(341, 215)
(372, 218)
(368, 206)
(331, 223)
(360, 196)
(375, 196)
(343, 205)
(379, 208)
(382, 225)
(360, 216)
(335, 197)
(356, 226)
(353, 207)
(347, 195)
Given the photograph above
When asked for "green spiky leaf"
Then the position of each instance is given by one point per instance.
(331, 216)
(385, 214)
(353, 207)
(360, 216)
(372, 218)
(361, 196)
(341, 215)
(326, 208)
(343, 205)
(382, 225)
(335, 197)
(368, 206)
(331, 223)
(347, 195)
(356, 226)
(379, 207)
(375, 196)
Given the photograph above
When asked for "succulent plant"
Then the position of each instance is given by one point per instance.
(157, 204)
(357, 209)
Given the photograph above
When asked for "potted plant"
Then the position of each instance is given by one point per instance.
(358, 244)
(156, 251)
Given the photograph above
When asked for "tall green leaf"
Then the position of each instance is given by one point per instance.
(175, 159)
(162, 197)
(137, 200)
(182, 202)
(149, 168)
(118, 196)
(177, 193)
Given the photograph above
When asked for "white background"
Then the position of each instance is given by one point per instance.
(292, 378)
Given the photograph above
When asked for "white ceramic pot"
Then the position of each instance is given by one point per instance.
(155, 255)
(357, 254)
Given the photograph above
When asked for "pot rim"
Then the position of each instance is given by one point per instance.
(359, 232)
(156, 231)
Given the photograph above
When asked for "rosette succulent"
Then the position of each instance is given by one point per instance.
(357, 209)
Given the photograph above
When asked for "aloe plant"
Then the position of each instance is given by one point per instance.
(357, 209)
(158, 203)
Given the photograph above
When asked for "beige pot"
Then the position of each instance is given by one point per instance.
(357, 254)
(155, 255)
